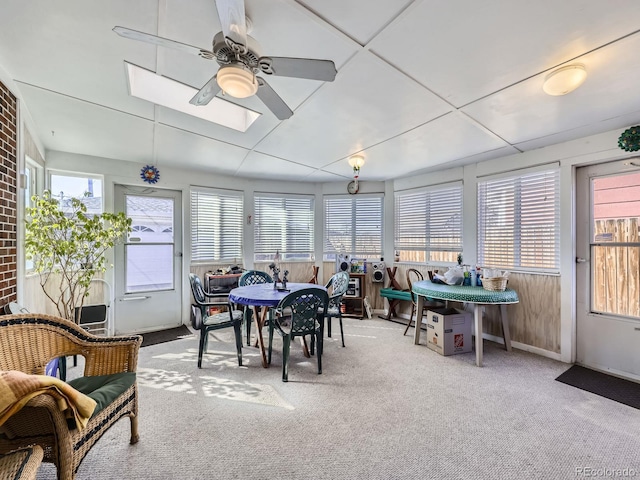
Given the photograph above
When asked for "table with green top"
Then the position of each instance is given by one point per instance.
(477, 296)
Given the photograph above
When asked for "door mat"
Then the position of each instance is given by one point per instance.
(608, 386)
(162, 336)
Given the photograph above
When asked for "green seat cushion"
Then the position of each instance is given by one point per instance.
(395, 294)
(104, 389)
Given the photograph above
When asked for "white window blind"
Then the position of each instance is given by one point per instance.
(519, 221)
(216, 225)
(430, 221)
(283, 224)
(353, 225)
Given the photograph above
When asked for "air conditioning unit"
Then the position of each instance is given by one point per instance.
(377, 272)
(343, 263)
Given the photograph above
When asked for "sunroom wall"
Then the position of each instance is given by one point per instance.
(543, 322)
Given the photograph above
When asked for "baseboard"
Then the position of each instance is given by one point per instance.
(527, 348)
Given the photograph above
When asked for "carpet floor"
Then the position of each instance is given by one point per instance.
(607, 386)
(383, 408)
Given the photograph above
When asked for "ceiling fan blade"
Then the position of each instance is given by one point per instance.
(272, 100)
(233, 21)
(163, 42)
(299, 68)
(206, 93)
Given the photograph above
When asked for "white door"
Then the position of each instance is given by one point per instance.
(148, 290)
(608, 268)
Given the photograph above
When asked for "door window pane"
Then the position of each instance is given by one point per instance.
(615, 246)
(149, 267)
(149, 249)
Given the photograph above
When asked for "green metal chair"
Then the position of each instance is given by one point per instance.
(298, 314)
(251, 277)
(207, 323)
(427, 304)
(337, 285)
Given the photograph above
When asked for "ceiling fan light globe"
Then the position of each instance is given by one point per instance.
(237, 81)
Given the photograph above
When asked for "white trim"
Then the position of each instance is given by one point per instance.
(517, 172)
(527, 348)
(430, 188)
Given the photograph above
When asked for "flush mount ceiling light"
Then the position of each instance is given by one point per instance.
(237, 81)
(564, 80)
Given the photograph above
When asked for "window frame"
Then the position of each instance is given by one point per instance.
(289, 235)
(352, 249)
(426, 245)
(237, 225)
(523, 182)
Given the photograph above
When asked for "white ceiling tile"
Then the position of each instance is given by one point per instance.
(78, 127)
(367, 104)
(466, 50)
(186, 150)
(258, 165)
(524, 112)
(360, 19)
(447, 138)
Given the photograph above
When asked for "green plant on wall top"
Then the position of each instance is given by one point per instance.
(68, 248)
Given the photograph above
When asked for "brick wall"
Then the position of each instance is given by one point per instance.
(8, 195)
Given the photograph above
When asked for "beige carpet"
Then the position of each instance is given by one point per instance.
(382, 409)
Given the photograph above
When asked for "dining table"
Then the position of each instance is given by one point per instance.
(267, 296)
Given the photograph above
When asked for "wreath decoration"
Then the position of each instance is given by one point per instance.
(630, 139)
(150, 174)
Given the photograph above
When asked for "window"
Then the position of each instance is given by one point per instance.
(216, 225)
(353, 225)
(428, 224)
(32, 174)
(88, 189)
(519, 222)
(283, 225)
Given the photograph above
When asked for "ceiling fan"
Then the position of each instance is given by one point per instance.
(240, 61)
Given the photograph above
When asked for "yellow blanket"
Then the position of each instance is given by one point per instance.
(17, 388)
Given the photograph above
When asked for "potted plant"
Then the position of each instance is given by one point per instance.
(68, 248)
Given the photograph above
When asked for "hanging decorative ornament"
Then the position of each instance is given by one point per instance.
(630, 139)
(150, 174)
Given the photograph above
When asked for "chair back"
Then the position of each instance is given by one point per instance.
(414, 274)
(254, 277)
(338, 285)
(197, 289)
(303, 308)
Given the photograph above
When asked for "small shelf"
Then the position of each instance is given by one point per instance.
(354, 304)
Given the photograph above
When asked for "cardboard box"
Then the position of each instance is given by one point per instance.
(449, 331)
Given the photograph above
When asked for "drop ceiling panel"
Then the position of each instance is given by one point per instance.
(180, 149)
(350, 17)
(70, 125)
(76, 54)
(524, 112)
(258, 165)
(464, 52)
(368, 103)
(445, 139)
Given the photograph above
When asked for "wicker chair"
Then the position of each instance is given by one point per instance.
(21, 464)
(27, 343)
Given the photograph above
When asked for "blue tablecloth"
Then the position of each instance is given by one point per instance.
(459, 293)
(264, 295)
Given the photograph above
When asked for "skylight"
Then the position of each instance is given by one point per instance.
(169, 93)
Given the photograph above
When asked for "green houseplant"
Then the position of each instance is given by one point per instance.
(68, 248)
